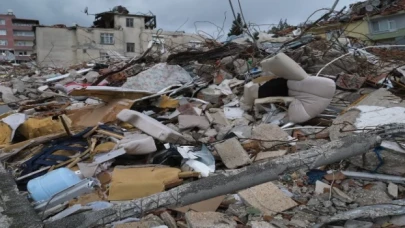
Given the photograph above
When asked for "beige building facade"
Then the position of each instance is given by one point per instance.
(113, 35)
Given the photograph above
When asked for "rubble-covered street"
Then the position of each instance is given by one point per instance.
(282, 130)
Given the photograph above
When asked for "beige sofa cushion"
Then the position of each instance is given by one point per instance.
(312, 96)
(284, 67)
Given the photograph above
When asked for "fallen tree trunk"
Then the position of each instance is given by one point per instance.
(222, 184)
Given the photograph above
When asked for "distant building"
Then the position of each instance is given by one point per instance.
(16, 36)
(114, 34)
(381, 21)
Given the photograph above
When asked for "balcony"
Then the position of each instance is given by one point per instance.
(22, 28)
(30, 38)
(23, 57)
(23, 48)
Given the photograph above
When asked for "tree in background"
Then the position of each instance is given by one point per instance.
(281, 26)
(237, 26)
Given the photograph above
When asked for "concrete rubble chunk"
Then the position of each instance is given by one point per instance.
(268, 198)
(393, 162)
(393, 190)
(209, 220)
(269, 132)
(189, 121)
(375, 195)
(92, 76)
(218, 117)
(232, 153)
(341, 195)
(358, 224)
(321, 187)
(7, 95)
(168, 219)
(270, 154)
(261, 224)
(398, 220)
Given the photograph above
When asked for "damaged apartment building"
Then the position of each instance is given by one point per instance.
(114, 34)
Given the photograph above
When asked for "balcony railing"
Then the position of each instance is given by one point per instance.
(24, 37)
(23, 48)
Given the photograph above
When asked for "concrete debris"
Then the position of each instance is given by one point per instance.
(358, 224)
(393, 190)
(208, 220)
(269, 135)
(232, 153)
(268, 198)
(186, 131)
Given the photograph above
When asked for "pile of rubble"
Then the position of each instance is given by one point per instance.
(221, 137)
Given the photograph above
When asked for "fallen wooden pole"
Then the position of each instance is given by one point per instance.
(222, 184)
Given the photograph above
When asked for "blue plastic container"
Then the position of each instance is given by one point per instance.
(44, 187)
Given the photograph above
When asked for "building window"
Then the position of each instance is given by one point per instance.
(22, 53)
(23, 43)
(130, 47)
(384, 26)
(104, 55)
(3, 42)
(23, 33)
(107, 38)
(3, 32)
(130, 22)
(2, 22)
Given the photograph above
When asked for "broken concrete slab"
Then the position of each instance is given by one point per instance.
(398, 220)
(375, 195)
(270, 154)
(358, 224)
(346, 121)
(393, 190)
(15, 210)
(209, 220)
(218, 117)
(393, 162)
(232, 153)
(321, 188)
(341, 195)
(168, 219)
(189, 122)
(7, 95)
(269, 132)
(261, 224)
(268, 198)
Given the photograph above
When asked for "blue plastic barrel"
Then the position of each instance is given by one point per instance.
(44, 187)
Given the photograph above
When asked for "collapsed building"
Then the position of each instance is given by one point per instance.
(232, 134)
(114, 34)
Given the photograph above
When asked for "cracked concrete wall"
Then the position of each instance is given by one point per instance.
(15, 210)
(54, 46)
(62, 47)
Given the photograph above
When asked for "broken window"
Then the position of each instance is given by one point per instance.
(2, 22)
(3, 32)
(3, 42)
(107, 38)
(130, 47)
(130, 22)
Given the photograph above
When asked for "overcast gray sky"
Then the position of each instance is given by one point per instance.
(171, 14)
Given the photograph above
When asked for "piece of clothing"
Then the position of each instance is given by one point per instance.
(274, 88)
